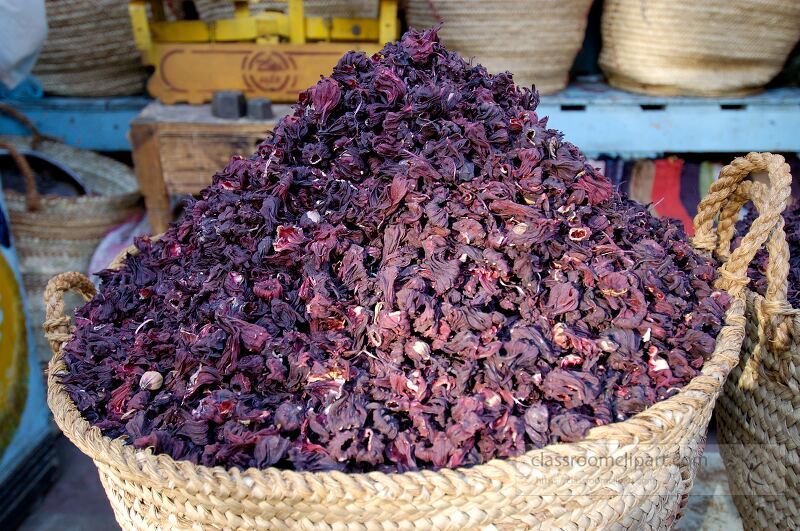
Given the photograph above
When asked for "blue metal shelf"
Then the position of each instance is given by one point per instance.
(100, 124)
(593, 116)
(602, 120)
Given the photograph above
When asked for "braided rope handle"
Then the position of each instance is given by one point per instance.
(38, 136)
(33, 199)
(725, 199)
(57, 326)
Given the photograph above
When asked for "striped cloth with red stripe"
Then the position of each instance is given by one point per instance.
(667, 192)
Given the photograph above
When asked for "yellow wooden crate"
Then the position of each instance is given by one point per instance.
(269, 54)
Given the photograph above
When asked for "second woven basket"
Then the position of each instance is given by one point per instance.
(758, 414)
(535, 39)
(706, 48)
(90, 51)
(54, 233)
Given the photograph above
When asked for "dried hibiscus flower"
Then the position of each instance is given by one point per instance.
(413, 271)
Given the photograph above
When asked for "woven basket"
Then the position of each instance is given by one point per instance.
(632, 474)
(700, 48)
(537, 40)
(52, 233)
(90, 51)
(758, 415)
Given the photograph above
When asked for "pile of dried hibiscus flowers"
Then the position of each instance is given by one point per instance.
(412, 272)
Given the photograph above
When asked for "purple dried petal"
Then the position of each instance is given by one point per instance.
(412, 271)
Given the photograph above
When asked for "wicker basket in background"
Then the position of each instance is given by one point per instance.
(61, 233)
(537, 40)
(699, 48)
(90, 50)
(758, 414)
(631, 474)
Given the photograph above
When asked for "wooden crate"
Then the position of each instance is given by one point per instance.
(178, 148)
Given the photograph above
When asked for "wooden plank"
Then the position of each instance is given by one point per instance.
(236, 29)
(297, 26)
(191, 73)
(137, 10)
(387, 18)
(354, 29)
(179, 148)
(181, 31)
(201, 115)
(602, 120)
(100, 124)
(191, 156)
(147, 165)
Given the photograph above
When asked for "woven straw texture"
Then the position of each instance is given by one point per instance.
(90, 50)
(758, 415)
(632, 474)
(702, 48)
(537, 40)
(61, 233)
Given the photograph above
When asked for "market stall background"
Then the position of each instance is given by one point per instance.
(662, 145)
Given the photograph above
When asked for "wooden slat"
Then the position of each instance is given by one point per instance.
(178, 149)
(140, 25)
(387, 18)
(189, 158)
(181, 31)
(147, 163)
(354, 29)
(297, 26)
(100, 124)
(192, 72)
(236, 29)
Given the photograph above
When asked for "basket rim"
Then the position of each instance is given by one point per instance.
(84, 161)
(55, 201)
(648, 426)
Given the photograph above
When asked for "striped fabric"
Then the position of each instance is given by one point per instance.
(670, 186)
(666, 192)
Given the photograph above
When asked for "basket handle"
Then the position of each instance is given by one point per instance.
(57, 326)
(38, 136)
(33, 198)
(725, 199)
